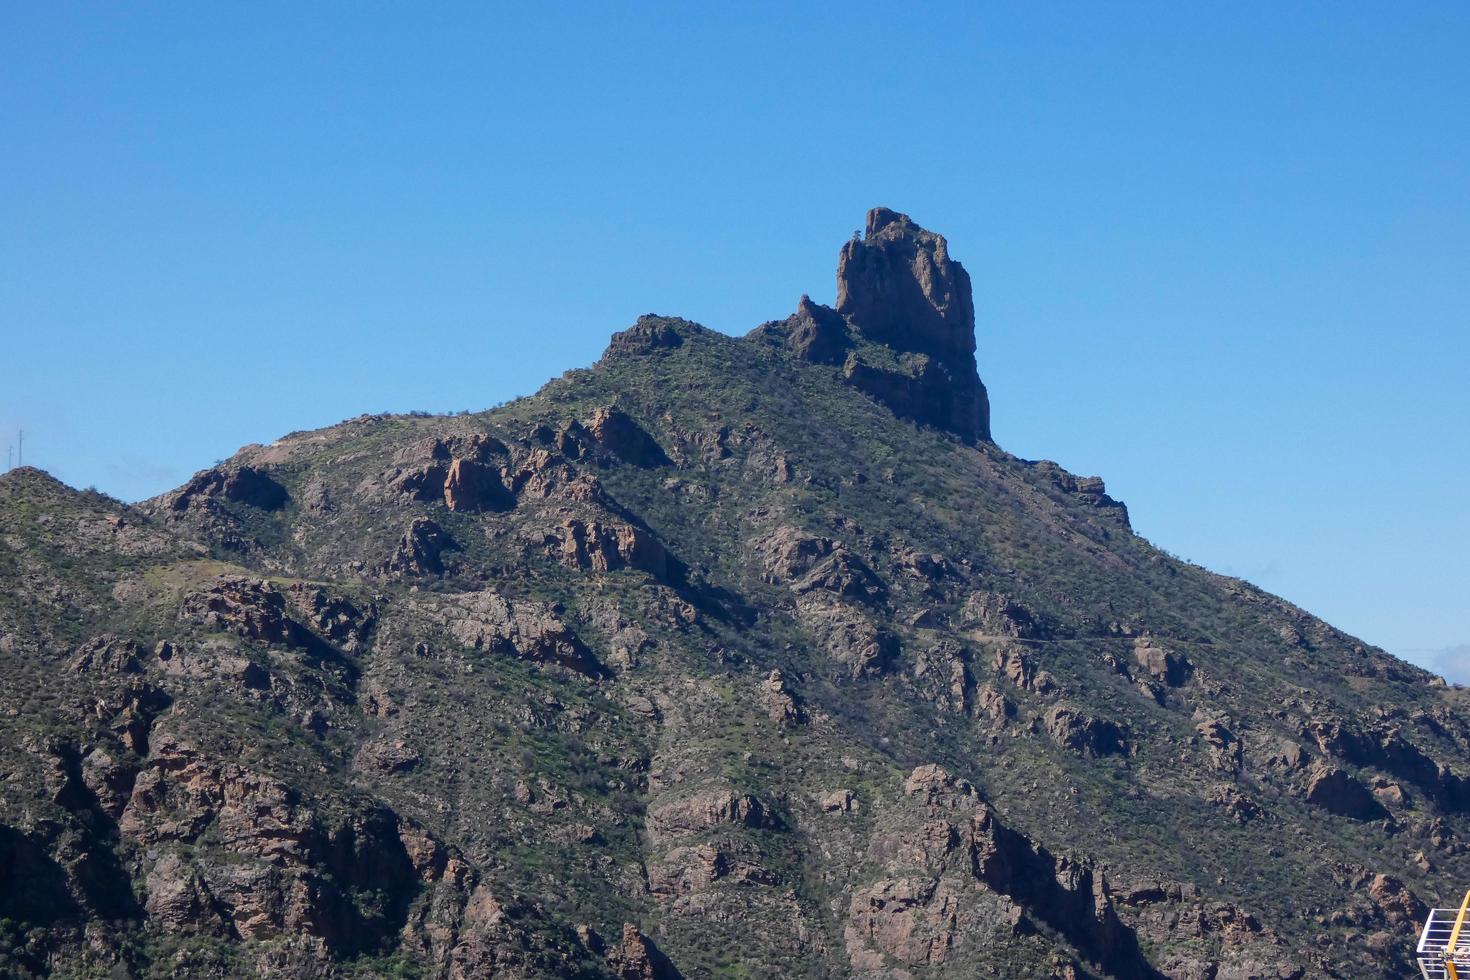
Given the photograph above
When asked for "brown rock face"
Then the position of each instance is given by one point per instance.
(523, 629)
(900, 288)
(688, 870)
(1396, 900)
(1164, 666)
(1082, 733)
(995, 614)
(288, 870)
(817, 333)
(636, 958)
(178, 901)
(709, 809)
(108, 654)
(616, 432)
(418, 550)
(1226, 752)
(914, 920)
(780, 702)
(336, 617)
(472, 486)
(650, 334)
(950, 863)
(849, 636)
(607, 547)
(255, 610)
(1336, 792)
(246, 485)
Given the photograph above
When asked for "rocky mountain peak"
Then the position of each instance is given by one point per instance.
(887, 220)
(903, 329)
(898, 286)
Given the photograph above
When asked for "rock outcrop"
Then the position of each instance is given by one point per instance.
(637, 958)
(708, 809)
(346, 883)
(1338, 792)
(1083, 733)
(903, 331)
(419, 551)
(518, 628)
(815, 333)
(254, 610)
(615, 432)
(606, 547)
(650, 334)
(898, 286)
(470, 485)
(245, 485)
(780, 701)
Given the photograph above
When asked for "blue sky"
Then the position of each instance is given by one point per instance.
(1221, 251)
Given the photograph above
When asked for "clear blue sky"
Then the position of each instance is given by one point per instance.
(1221, 251)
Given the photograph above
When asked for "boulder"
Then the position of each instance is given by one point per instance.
(1161, 664)
(838, 801)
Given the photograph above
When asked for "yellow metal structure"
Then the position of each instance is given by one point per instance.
(1453, 945)
(1442, 954)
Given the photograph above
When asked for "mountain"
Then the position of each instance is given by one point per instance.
(725, 657)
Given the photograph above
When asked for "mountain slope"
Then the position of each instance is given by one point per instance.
(727, 656)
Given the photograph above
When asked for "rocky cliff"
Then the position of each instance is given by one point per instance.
(725, 657)
(904, 327)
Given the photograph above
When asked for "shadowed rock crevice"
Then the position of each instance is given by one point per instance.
(33, 887)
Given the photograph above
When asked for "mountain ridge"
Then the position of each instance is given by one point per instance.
(726, 656)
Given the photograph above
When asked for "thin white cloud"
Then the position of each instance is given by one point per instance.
(1452, 662)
